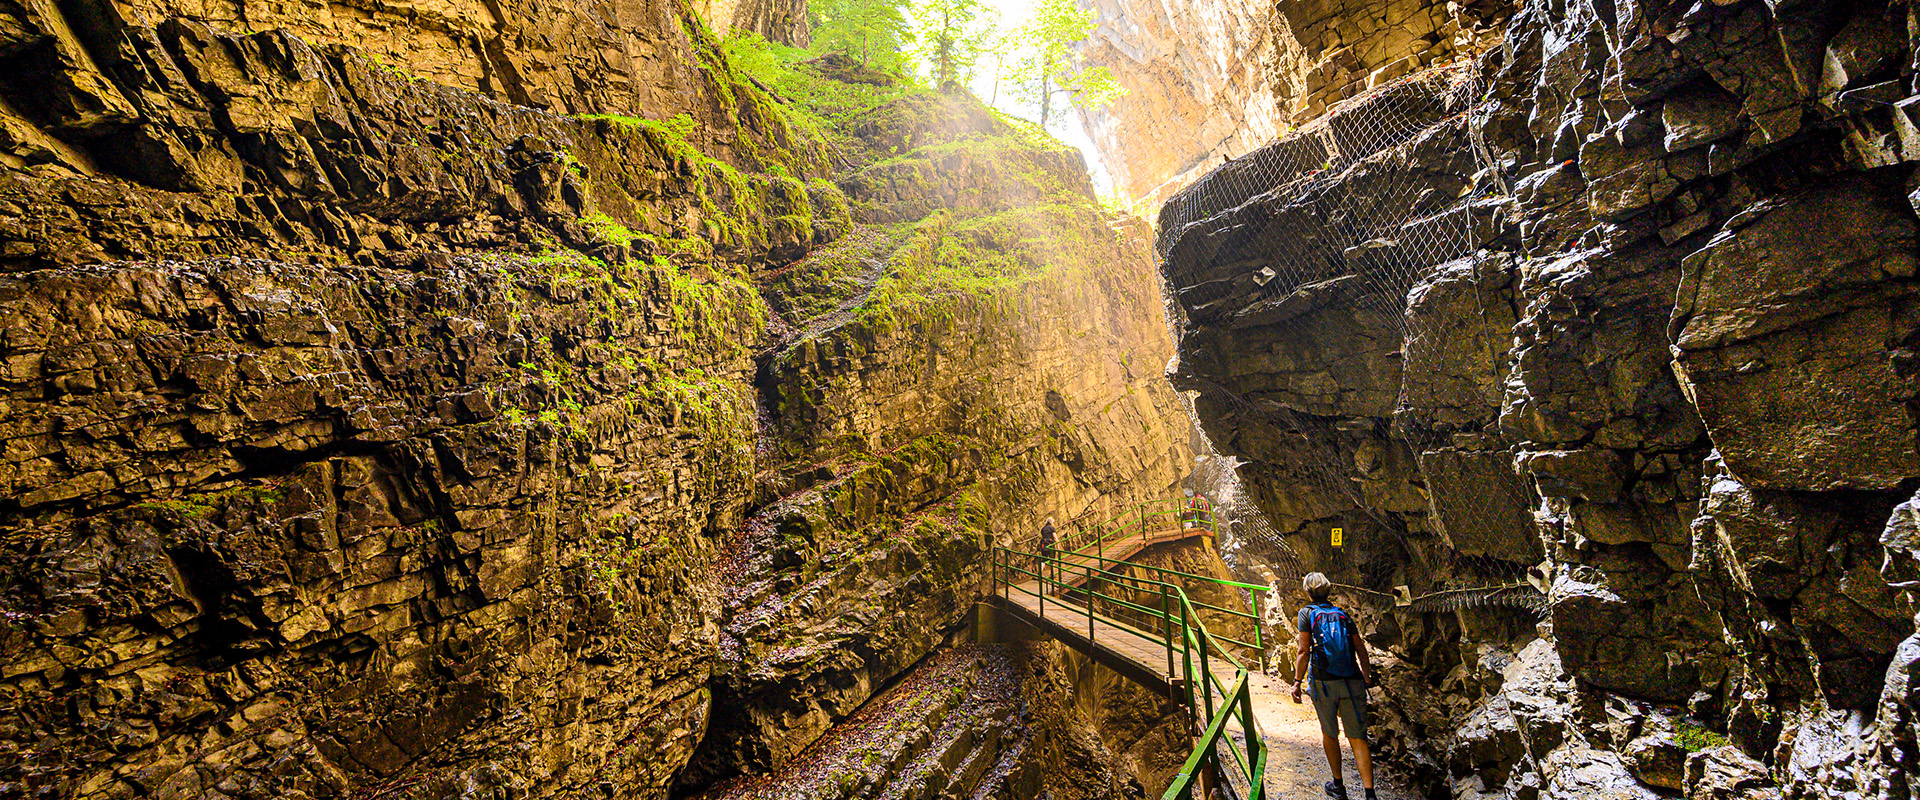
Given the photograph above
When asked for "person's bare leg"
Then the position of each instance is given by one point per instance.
(1363, 759)
(1332, 746)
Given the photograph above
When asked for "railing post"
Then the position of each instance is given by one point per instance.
(1186, 659)
(1040, 578)
(1206, 672)
(1166, 627)
(1259, 630)
(1255, 745)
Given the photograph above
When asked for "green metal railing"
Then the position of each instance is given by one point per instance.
(1154, 516)
(1137, 519)
(1192, 652)
(1252, 591)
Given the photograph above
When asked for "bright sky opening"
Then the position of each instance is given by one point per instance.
(1013, 14)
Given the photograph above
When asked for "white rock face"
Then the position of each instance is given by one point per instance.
(1211, 80)
(1200, 76)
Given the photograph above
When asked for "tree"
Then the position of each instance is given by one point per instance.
(952, 36)
(873, 31)
(1049, 64)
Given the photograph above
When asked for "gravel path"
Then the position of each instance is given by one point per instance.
(1296, 765)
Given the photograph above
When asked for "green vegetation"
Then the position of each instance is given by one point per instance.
(953, 35)
(815, 102)
(382, 65)
(946, 261)
(875, 32)
(1696, 738)
(740, 212)
(617, 119)
(201, 505)
(1049, 64)
(832, 275)
(618, 553)
(609, 230)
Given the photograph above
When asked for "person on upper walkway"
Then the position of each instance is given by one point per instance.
(1341, 673)
(1046, 538)
(1199, 511)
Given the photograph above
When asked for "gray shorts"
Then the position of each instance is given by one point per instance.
(1341, 702)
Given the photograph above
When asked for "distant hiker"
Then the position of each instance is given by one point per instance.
(1199, 511)
(1046, 547)
(1341, 673)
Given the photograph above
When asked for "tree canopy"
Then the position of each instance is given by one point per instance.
(1049, 65)
(873, 31)
(952, 35)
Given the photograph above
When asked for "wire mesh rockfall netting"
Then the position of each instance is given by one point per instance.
(1370, 204)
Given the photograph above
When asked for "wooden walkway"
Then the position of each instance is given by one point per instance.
(1117, 645)
(1295, 766)
(1123, 549)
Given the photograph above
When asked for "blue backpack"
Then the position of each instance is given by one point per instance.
(1332, 642)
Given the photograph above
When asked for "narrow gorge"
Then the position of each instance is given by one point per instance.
(660, 399)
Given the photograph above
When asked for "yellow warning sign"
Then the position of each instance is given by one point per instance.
(1338, 536)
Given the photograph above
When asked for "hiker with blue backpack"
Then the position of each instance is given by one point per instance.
(1341, 674)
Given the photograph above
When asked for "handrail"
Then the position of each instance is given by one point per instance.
(1190, 649)
(1240, 699)
(1164, 570)
(1259, 644)
(1134, 519)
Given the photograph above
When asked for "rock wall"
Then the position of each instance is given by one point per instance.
(780, 21)
(908, 419)
(1211, 80)
(376, 428)
(1627, 297)
(998, 721)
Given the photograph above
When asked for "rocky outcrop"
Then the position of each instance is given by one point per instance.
(1001, 721)
(1627, 297)
(130, 68)
(783, 21)
(301, 529)
(1210, 81)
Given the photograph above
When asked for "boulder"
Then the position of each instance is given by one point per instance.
(1726, 773)
(1781, 340)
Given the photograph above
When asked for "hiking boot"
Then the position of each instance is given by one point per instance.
(1336, 790)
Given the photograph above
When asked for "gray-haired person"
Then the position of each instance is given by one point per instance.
(1338, 682)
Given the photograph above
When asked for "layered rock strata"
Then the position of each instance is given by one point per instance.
(375, 428)
(1629, 298)
(1002, 721)
(1210, 81)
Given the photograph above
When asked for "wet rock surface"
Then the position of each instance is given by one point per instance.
(1651, 369)
(389, 414)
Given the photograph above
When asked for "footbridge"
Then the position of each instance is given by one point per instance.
(1139, 620)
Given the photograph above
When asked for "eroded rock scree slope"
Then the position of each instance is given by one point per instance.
(524, 401)
(1627, 300)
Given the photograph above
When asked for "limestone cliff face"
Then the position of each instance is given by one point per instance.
(1201, 80)
(914, 423)
(783, 21)
(375, 428)
(1212, 80)
(1628, 296)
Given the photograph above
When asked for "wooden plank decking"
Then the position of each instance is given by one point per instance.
(1120, 647)
(1123, 549)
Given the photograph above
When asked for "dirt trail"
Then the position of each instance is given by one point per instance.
(1296, 765)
